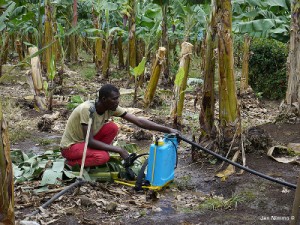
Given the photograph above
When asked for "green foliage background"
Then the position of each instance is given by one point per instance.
(267, 68)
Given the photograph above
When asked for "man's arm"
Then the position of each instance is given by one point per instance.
(147, 124)
(95, 144)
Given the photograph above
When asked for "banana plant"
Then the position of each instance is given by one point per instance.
(7, 215)
(206, 115)
(4, 36)
(259, 19)
(229, 110)
(148, 30)
(104, 30)
(164, 4)
(193, 19)
(16, 23)
(155, 74)
(181, 83)
(292, 98)
(132, 56)
(138, 71)
(262, 18)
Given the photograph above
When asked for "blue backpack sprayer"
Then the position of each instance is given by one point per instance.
(159, 166)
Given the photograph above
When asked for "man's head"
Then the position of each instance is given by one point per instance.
(109, 96)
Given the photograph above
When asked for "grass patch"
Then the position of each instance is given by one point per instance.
(44, 141)
(88, 72)
(182, 183)
(16, 123)
(18, 133)
(218, 202)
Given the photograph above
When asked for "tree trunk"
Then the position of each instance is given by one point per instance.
(120, 52)
(106, 58)
(57, 46)
(207, 111)
(73, 53)
(177, 107)
(19, 50)
(156, 70)
(165, 43)
(48, 36)
(229, 113)
(293, 90)
(7, 215)
(245, 68)
(132, 40)
(35, 80)
(50, 52)
(98, 43)
(5, 48)
(143, 52)
(40, 25)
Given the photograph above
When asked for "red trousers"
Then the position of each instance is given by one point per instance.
(94, 157)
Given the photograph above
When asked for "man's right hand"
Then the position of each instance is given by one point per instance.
(123, 153)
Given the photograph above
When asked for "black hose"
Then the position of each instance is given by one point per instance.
(78, 182)
(238, 165)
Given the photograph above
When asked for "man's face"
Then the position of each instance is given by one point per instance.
(112, 101)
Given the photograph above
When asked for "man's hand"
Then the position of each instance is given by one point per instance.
(123, 153)
(174, 131)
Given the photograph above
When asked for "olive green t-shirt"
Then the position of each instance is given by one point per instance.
(73, 132)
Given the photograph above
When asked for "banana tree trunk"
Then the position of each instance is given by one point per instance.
(19, 50)
(5, 48)
(50, 52)
(156, 70)
(48, 36)
(143, 52)
(177, 106)
(57, 46)
(293, 90)
(73, 53)
(165, 43)
(206, 117)
(106, 58)
(35, 80)
(98, 43)
(98, 54)
(245, 67)
(120, 52)
(7, 215)
(132, 40)
(229, 112)
(40, 25)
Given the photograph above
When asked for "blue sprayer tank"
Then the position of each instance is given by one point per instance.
(162, 161)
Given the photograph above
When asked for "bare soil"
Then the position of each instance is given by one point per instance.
(195, 197)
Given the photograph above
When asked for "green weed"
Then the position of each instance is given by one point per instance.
(218, 202)
(18, 133)
(44, 141)
(183, 182)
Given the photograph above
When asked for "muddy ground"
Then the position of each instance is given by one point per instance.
(196, 196)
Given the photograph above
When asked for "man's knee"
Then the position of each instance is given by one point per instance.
(112, 127)
(102, 158)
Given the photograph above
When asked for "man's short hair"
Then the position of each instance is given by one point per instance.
(106, 90)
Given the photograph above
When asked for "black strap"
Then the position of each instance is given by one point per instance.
(140, 177)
